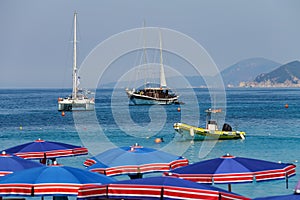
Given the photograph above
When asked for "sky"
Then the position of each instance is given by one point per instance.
(35, 36)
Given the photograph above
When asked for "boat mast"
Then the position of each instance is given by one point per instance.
(163, 82)
(75, 79)
(145, 61)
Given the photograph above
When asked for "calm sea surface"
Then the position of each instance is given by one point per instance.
(272, 130)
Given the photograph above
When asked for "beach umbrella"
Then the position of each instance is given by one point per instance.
(295, 196)
(134, 161)
(230, 169)
(54, 180)
(41, 149)
(10, 164)
(153, 188)
(297, 188)
(281, 197)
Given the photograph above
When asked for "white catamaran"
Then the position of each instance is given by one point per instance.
(154, 93)
(78, 100)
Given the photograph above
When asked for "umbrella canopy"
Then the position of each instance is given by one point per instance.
(281, 197)
(295, 196)
(49, 181)
(230, 169)
(134, 160)
(297, 188)
(157, 188)
(41, 149)
(10, 163)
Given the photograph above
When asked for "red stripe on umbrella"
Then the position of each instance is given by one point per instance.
(92, 190)
(158, 167)
(129, 190)
(49, 189)
(54, 153)
(179, 163)
(2, 173)
(17, 189)
(234, 177)
(276, 174)
(156, 190)
(40, 149)
(186, 193)
(89, 162)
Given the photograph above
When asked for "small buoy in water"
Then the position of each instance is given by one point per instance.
(63, 114)
(21, 128)
(178, 109)
(159, 140)
(286, 105)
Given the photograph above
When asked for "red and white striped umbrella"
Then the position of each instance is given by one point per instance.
(156, 188)
(134, 161)
(41, 149)
(50, 181)
(229, 169)
(10, 164)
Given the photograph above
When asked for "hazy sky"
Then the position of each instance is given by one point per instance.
(35, 36)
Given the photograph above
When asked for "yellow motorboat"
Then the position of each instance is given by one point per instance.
(211, 130)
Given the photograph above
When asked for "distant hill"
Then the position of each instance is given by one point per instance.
(243, 71)
(247, 70)
(287, 73)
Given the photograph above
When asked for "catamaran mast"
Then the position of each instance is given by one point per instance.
(75, 79)
(163, 82)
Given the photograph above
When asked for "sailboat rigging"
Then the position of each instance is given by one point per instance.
(78, 100)
(151, 93)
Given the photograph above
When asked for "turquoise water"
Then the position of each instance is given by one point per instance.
(272, 129)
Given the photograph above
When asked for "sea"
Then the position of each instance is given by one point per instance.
(269, 116)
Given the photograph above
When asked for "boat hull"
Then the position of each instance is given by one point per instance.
(137, 99)
(196, 133)
(76, 105)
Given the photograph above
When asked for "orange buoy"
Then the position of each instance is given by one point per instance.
(63, 113)
(286, 105)
(158, 140)
(178, 109)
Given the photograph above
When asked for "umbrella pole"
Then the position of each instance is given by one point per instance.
(286, 181)
(32, 191)
(107, 191)
(229, 187)
(162, 193)
(44, 160)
